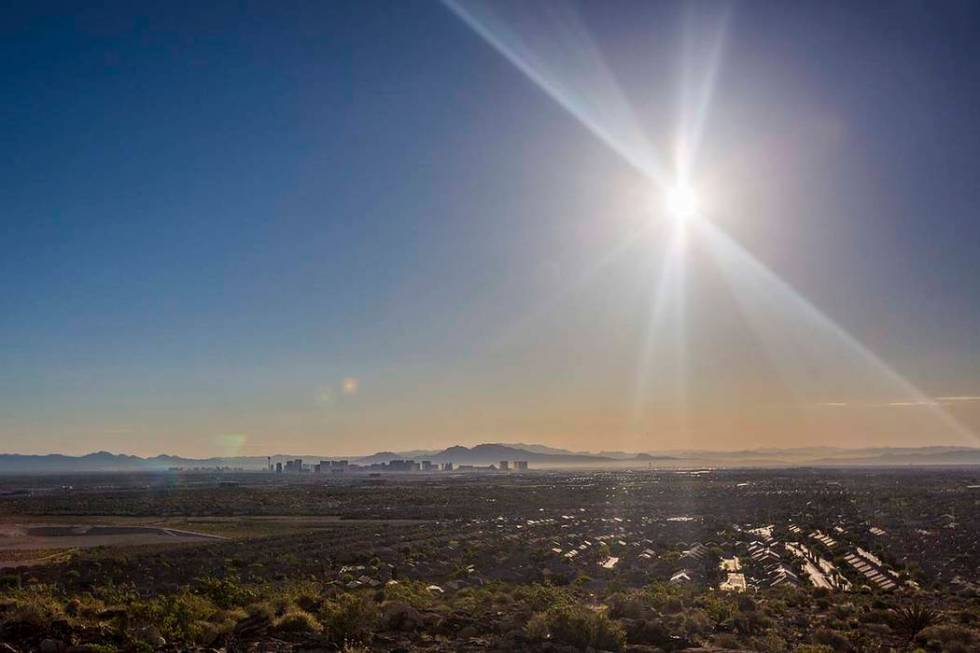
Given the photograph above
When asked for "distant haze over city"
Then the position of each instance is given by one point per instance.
(482, 456)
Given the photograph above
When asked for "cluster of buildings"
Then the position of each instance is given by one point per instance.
(296, 466)
(735, 579)
(743, 559)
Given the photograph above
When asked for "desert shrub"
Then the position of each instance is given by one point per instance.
(502, 599)
(220, 624)
(695, 623)
(627, 605)
(664, 595)
(751, 623)
(578, 627)
(468, 599)
(875, 616)
(795, 597)
(9, 581)
(412, 592)
(263, 610)
(844, 610)
(112, 594)
(354, 648)
(651, 630)
(719, 608)
(288, 592)
(727, 641)
(770, 643)
(298, 622)
(178, 617)
(541, 597)
(659, 593)
(36, 604)
(746, 603)
(225, 592)
(909, 620)
(833, 639)
(948, 637)
(349, 618)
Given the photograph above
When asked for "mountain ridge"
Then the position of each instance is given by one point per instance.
(537, 455)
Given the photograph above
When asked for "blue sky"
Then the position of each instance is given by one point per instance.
(214, 219)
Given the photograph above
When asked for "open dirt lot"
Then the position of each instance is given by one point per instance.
(71, 536)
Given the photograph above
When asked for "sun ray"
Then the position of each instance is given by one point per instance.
(664, 339)
(811, 350)
(704, 41)
(563, 60)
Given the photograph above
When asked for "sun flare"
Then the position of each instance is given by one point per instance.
(681, 202)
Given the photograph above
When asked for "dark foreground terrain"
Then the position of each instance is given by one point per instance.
(789, 560)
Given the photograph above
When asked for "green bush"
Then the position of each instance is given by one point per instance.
(770, 643)
(833, 639)
(726, 640)
(541, 597)
(298, 622)
(947, 636)
(36, 605)
(412, 592)
(813, 648)
(225, 592)
(349, 618)
(909, 620)
(178, 617)
(720, 608)
(578, 627)
(631, 605)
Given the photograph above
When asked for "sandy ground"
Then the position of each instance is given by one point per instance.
(47, 536)
(41, 539)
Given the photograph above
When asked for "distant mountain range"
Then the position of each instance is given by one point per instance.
(487, 454)
(536, 455)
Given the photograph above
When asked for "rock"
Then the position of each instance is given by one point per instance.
(431, 619)
(151, 636)
(51, 646)
(19, 631)
(398, 615)
(253, 627)
(112, 613)
(309, 604)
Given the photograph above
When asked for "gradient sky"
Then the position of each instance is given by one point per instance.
(347, 227)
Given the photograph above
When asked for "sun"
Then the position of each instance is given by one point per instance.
(681, 202)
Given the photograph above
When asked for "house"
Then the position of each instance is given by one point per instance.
(681, 577)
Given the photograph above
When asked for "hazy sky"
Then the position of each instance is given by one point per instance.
(346, 227)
